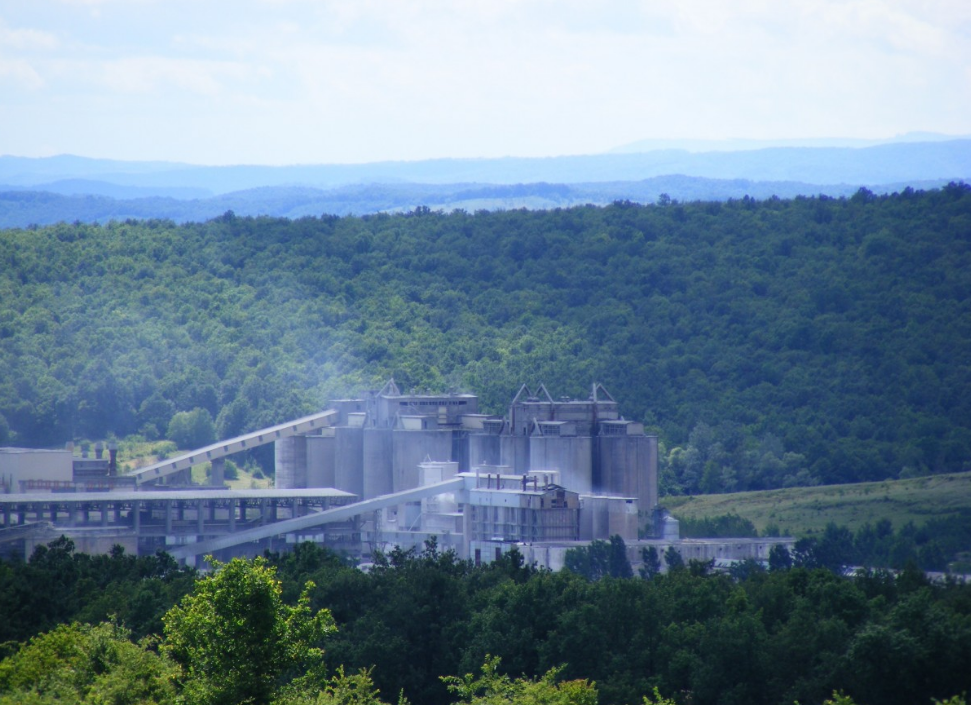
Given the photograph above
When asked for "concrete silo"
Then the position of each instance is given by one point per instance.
(290, 461)
(349, 458)
(321, 455)
(378, 452)
(554, 447)
(410, 447)
(627, 462)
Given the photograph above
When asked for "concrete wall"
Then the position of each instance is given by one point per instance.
(484, 449)
(19, 465)
(409, 448)
(628, 467)
(378, 454)
(321, 459)
(349, 460)
(571, 455)
(514, 452)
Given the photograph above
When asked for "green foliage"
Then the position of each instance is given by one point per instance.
(57, 586)
(651, 562)
(722, 526)
(753, 336)
(341, 689)
(752, 636)
(191, 429)
(494, 688)
(599, 560)
(95, 665)
(237, 641)
(673, 559)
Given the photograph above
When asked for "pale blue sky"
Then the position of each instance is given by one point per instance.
(317, 81)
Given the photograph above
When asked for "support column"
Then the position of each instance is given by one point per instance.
(200, 516)
(262, 511)
(217, 476)
(168, 517)
(104, 512)
(232, 515)
(136, 510)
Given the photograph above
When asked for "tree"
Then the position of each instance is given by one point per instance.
(600, 559)
(673, 559)
(192, 429)
(652, 562)
(237, 642)
(779, 557)
(90, 664)
(493, 688)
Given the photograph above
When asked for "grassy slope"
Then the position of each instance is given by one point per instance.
(802, 510)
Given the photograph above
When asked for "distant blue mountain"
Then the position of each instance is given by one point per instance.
(20, 208)
(68, 188)
(881, 164)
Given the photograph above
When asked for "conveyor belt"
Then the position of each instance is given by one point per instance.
(310, 520)
(298, 427)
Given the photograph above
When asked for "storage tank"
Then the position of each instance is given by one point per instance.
(413, 447)
(349, 459)
(290, 461)
(628, 467)
(514, 452)
(571, 455)
(377, 462)
(321, 454)
(484, 449)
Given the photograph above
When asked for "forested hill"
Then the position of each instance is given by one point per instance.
(769, 343)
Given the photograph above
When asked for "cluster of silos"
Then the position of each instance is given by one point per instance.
(378, 444)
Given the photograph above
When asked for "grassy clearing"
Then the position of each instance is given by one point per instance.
(804, 510)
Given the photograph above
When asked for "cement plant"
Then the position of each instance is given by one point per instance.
(384, 470)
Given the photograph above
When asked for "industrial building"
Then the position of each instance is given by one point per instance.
(388, 469)
(377, 443)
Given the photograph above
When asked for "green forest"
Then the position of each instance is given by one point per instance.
(768, 343)
(424, 627)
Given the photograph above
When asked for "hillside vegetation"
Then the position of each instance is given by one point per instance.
(799, 511)
(770, 344)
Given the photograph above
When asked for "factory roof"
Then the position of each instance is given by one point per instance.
(183, 495)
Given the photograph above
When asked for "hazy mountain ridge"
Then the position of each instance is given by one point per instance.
(21, 208)
(830, 165)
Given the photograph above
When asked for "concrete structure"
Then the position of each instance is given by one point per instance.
(389, 469)
(177, 466)
(23, 469)
(149, 520)
(382, 438)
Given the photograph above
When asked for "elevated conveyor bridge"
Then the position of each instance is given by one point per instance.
(316, 519)
(297, 427)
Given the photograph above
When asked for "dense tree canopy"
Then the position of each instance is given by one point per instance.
(769, 343)
(690, 636)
